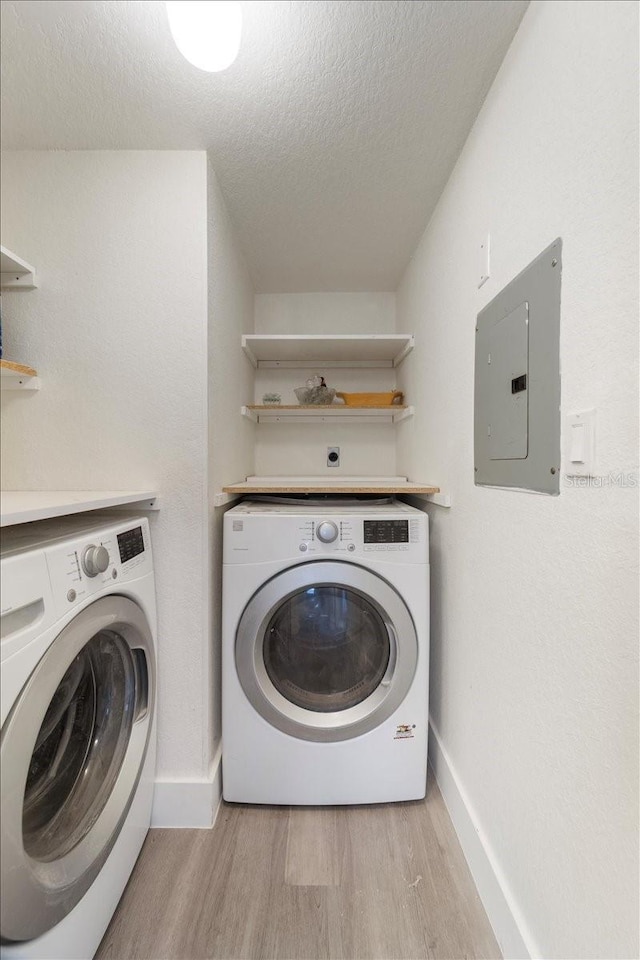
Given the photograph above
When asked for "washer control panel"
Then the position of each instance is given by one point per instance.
(79, 568)
(95, 560)
(386, 531)
(264, 532)
(130, 544)
(327, 531)
(367, 535)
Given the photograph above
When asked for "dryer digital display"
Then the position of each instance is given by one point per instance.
(386, 531)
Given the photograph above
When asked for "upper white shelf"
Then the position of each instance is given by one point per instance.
(16, 273)
(338, 350)
(24, 506)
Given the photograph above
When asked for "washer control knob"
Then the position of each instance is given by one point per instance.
(327, 531)
(95, 560)
(351, 547)
(303, 548)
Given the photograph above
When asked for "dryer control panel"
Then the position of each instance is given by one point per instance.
(372, 535)
(258, 535)
(386, 531)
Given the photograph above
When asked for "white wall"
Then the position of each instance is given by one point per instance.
(325, 313)
(231, 436)
(293, 449)
(118, 333)
(534, 631)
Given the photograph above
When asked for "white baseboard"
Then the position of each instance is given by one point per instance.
(504, 916)
(189, 803)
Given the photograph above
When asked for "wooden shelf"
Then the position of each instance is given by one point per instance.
(24, 506)
(18, 376)
(324, 485)
(279, 413)
(16, 273)
(330, 351)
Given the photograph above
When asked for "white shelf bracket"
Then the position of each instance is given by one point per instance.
(248, 351)
(16, 273)
(403, 414)
(408, 347)
(13, 281)
(19, 382)
(222, 499)
(439, 499)
(144, 506)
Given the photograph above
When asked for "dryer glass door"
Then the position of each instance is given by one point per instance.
(72, 751)
(326, 650)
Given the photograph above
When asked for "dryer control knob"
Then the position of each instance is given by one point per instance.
(95, 560)
(327, 531)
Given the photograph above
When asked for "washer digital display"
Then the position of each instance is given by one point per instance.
(386, 531)
(130, 544)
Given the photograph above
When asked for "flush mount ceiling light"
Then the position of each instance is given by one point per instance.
(206, 32)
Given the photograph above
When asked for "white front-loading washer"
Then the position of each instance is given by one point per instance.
(77, 745)
(325, 653)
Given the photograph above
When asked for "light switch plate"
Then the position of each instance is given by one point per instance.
(580, 444)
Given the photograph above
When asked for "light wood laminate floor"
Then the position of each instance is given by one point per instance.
(385, 882)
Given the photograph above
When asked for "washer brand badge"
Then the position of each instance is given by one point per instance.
(238, 526)
(404, 731)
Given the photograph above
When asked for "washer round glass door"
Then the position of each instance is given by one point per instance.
(326, 650)
(72, 751)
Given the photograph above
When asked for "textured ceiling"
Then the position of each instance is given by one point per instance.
(332, 134)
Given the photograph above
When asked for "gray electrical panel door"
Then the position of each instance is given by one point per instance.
(508, 363)
(517, 381)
